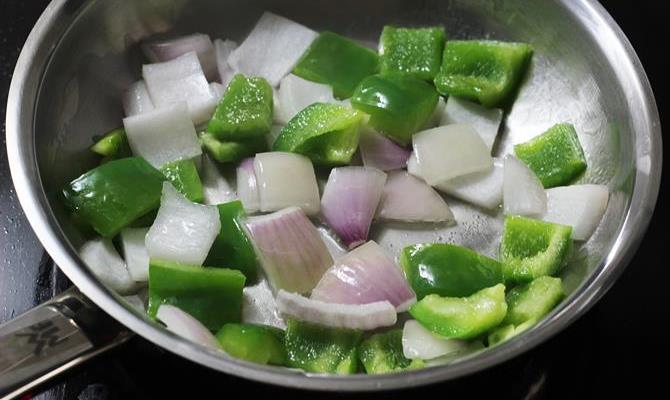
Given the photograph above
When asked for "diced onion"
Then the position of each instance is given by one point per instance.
(295, 93)
(523, 193)
(136, 99)
(580, 206)
(223, 49)
(259, 306)
(104, 261)
(166, 50)
(409, 199)
(485, 121)
(247, 187)
(186, 326)
(215, 187)
(419, 343)
(135, 253)
(378, 151)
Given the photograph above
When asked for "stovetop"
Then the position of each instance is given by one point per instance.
(609, 351)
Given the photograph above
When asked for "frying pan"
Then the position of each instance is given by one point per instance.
(81, 55)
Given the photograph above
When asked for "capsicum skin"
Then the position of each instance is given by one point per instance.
(530, 248)
(462, 317)
(507, 331)
(183, 175)
(320, 349)
(398, 106)
(245, 110)
(231, 151)
(482, 70)
(382, 353)
(113, 144)
(337, 61)
(260, 344)
(211, 295)
(232, 248)
(556, 156)
(533, 300)
(327, 134)
(448, 270)
(113, 195)
(415, 52)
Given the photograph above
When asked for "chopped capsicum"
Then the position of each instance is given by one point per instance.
(260, 344)
(533, 300)
(482, 70)
(183, 175)
(245, 111)
(112, 144)
(399, 106)
(316, 348)
(232, 248)
(462, 317)
(211, 295)
(556, 156)
(508, 331)
(382, 353)
(231, 151)
(327, 134)
(337, 61)
(415, 52)
(531, 248)
(448, 270)
(113, 195)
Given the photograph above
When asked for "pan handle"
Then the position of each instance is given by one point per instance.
(52, 338)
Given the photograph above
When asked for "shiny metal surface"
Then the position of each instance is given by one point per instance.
(81, 55)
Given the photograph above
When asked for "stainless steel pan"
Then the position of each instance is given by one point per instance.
(82, 54)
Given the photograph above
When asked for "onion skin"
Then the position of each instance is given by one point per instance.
(185, 325)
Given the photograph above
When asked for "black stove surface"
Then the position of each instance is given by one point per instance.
(617, 347)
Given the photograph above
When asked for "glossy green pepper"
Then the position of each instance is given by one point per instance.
(337, 61)
(232, 248)
(415, 52)
(533, 300)
(556, 156)
(260, 344)
(183, 175)
(399, 106)
(245, 110)
(211, 295)
(462, 317)
(113, 195)
(382, 353)
(482, 70)
(448, 270)
(506, 332)
(321, 349)
(327, 134)
(530, 248)
(113, 144)
(232, 151)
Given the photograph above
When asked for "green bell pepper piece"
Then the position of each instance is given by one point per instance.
(316, 348)
(382, 353)
(113, 195)
(462, 317)
(399, 106)
(482, 70)
(113, 144)
(327, 134)
(337, 61)
(531, 248)
(245, 110)
(232, 151)
(232, 248)
(260, 344)
(416, 52)
(183, 175)
(448, 270)
(533, 300)
(556, 156)
(211, 295)
(506, 332)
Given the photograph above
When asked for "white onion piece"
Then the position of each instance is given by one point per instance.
(275, 131)
(166, 50)
(286, 180)
(163, 135)
(104, 261)
(223, 49)
(419, 343)
(349, 202)
(352, 316)
(217, 90)
(179, 80)
(186, 326)
(215, 187)
(365, 275)
(135, 253)
(183, 231)
(295, 93)
(523, 193)
(450, 151)
(136, 302)
(272, 48)
(136, 99)
(259, 306)
(247, 188)
(485, 121)
(409, 199)
(438, 114)
(290, 249)
(580, 206)
(380, 152)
